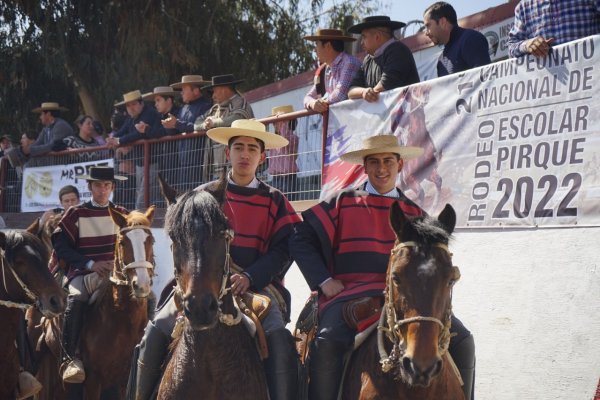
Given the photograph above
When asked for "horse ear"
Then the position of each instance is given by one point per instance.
(34, 228)
(219, 188)
(397, 219)
(150, 213)
(118, 218)
(167, 191)
(448, 218)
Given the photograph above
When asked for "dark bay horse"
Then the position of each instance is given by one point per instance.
(214, 356)
(116, 322)
(408, 357)
(26, 283)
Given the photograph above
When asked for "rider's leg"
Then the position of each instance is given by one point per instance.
(326, 358)
(27, 385)
(72, 368)
(281, 367)
(153, 350)
(462, 349)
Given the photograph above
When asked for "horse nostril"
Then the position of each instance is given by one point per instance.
(407, 365)
(210, 303)
(437, 368)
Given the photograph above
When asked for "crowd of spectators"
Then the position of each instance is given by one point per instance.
(195, 105)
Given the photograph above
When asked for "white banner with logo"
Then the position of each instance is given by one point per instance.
(42, 184)
(512, 143)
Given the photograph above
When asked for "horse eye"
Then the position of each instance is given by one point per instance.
(396, 278)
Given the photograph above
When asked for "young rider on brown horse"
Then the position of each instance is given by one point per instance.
(262, 220)
(85, 240)
(343, 248)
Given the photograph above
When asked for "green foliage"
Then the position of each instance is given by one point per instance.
(59, 50)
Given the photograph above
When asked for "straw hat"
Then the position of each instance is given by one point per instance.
(281, 110)
(381, 144)
(98, 173)
(50, 106)
(223, 80)
(160, 91)
(130, 96)
(250, 128)
(330, 34)
(376, 21)
(190, 80)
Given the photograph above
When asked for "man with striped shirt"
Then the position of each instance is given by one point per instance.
(343, 247)
(85, 241)
(541, 23)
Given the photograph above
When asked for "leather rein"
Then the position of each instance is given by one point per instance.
(390, 325)
(11, 304)
(120, 268)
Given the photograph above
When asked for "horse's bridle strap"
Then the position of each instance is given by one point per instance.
(27, 291)
(138, 264)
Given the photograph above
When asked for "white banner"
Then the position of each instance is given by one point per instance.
(42, 184)
(511, 143)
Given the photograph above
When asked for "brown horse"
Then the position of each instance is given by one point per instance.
(26, 283)
(408, 357)
(116, 322)
(214, 357)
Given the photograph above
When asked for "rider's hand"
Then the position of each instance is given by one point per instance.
(239, 284)
(102, 268)
(332, 288)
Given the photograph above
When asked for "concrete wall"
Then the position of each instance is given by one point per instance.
(531, 299)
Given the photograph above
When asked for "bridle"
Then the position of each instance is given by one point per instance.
(121, 267)
(227, 319)
(11, 304)
(391, 325)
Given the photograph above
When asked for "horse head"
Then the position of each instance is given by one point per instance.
(26, 280)
(418, 294)
(201, 236)
(134, 253)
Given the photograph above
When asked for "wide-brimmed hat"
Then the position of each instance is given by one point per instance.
(160, 91)
(282, 110)
(130, 96)
(196, 80)
(330, 34)
(381, 144)
(376, 21)
(50, 106)
(98, 173)
(250, 128)
(223, 80)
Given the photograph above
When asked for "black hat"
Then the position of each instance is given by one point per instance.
(102, 174)
(223, 80)
(376, 21)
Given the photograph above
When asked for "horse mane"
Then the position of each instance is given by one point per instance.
(427, 230)
(17, 238)
(194, 210)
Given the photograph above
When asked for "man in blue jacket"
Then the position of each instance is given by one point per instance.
(463, 48)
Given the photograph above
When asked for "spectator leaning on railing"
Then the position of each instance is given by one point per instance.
(55, 129)
(333, 77)
(229, 106)
(463, 48)
(389, 64)
(541, 23)
(84, 139)
(143, 123)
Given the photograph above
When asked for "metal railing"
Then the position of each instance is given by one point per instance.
(186, 161)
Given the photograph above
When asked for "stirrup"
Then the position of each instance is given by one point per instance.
(72, 371)
(27, 386)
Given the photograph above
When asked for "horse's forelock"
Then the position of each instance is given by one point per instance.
(426, 230)
(195, 210)
(137, 218)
